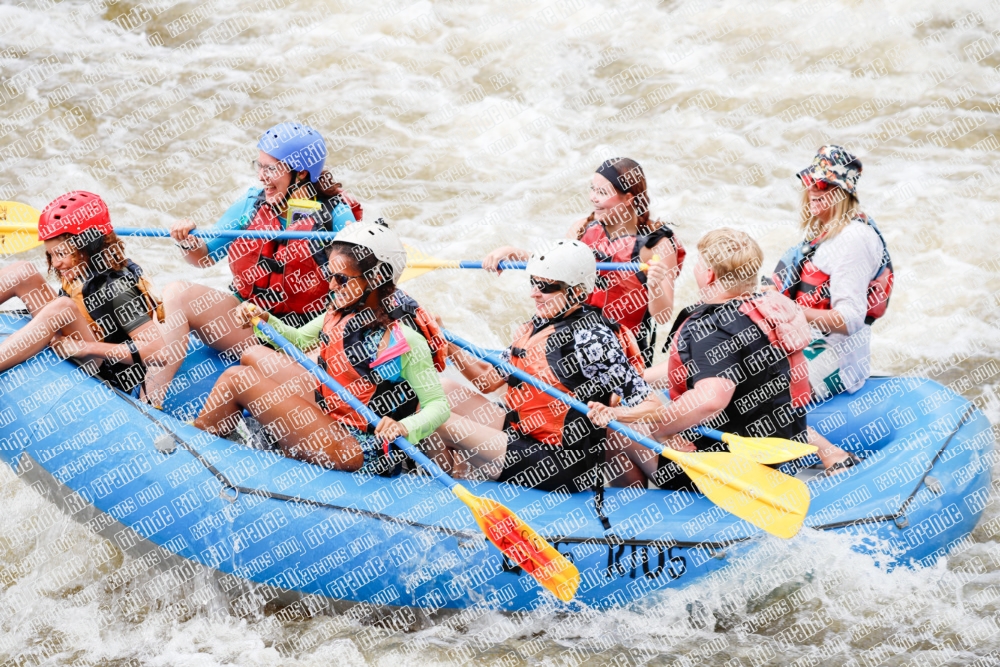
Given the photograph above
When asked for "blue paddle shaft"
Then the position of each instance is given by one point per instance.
(349, 398)
(708, 432)
(601, 266)
(551, 391)
(228, 233)
(329, 236)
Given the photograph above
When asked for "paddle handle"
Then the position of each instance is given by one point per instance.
(347, 397)
(479, 352)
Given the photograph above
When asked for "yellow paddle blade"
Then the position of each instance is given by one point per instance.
(419, 263)
(768, 499)
(767, 450)
(18, 228)
(519, 542)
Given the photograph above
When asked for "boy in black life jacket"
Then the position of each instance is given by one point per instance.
(735, 364)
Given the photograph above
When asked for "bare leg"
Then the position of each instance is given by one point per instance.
(619, 461)
(193, 307)
(22, 280)
(656, 376)
(58, 316)
(624, 453)
(314, 437)
(473, 433)
(282, 369)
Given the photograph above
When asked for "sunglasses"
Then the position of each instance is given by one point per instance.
(822, 186)
(341, 279)
(546, 287)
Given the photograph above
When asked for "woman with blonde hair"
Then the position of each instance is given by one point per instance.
(841, 275)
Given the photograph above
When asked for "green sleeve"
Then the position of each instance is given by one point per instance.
(418, 370)
(303, 338)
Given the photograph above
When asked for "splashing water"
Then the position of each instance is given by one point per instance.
(473, 125)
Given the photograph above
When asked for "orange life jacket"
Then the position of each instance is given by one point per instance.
(385, 397)
(536, 413)
(280, 276)
(622, 295)
(800, 279)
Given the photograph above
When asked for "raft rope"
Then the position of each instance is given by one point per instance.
(899, 516)
(609, 539)
(227, 484)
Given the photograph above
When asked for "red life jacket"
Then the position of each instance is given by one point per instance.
(622, 295)
(803, 281)
(383, 396)
(537, 414)
(799, 389)
(283, 277)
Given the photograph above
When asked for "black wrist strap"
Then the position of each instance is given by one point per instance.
(136, 359)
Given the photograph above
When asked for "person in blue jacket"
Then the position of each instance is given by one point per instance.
(288, 279)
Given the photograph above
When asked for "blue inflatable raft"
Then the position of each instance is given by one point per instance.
(268, 527)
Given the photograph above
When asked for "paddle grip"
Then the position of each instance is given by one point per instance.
(479, 352)
(349, 398)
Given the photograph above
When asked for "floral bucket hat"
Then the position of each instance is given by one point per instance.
(835, 166)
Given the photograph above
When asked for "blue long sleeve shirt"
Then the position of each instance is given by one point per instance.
(238, 216)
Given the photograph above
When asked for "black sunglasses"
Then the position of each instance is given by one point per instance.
(342, 279)
(546, 287)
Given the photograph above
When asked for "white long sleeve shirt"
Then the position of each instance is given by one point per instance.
(851, 259)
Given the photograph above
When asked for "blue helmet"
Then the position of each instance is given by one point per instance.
(298, 146)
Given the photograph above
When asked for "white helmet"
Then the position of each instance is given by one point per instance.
(570, 262)
(381, 241)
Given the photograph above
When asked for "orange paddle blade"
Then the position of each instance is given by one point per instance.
(519, 542)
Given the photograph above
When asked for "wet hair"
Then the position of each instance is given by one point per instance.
(377, 274)
(630, 180)
(100, 252)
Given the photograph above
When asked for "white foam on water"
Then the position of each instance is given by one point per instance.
(507, 98)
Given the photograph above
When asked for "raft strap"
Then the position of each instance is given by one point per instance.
(136, 359)
(599, 502)
(899, 516)
(565, 539)
(462, 535)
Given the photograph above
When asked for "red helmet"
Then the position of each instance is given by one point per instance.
(74, 213)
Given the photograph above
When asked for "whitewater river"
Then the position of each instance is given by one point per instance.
(472, 124)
